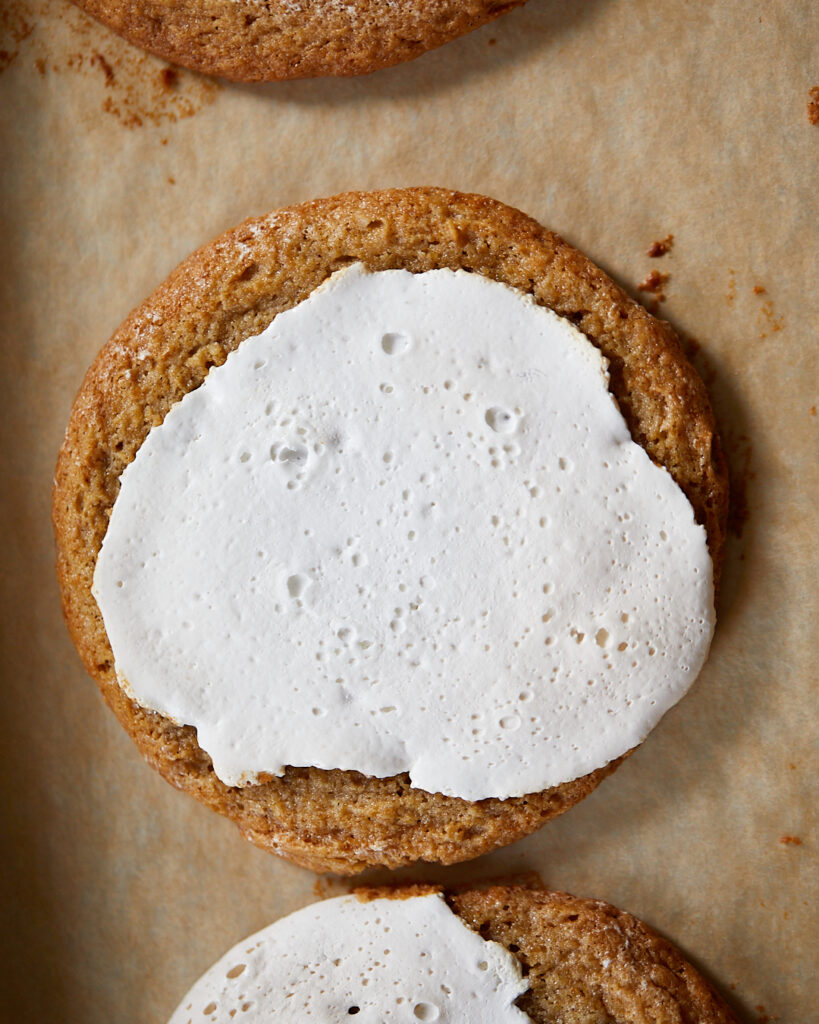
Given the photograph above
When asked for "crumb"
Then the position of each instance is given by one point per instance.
(812, 411)
(758, 289)
(171, 181)
(40, 64)
(492, 42)
(813, 105)
(790, 841)
(660, 248)
(164, 142)
(168, 77)
(654, 283)
(107, 70)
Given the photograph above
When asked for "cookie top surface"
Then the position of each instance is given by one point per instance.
(445, 555)
(248, 40)
(499, 954)
(231, 290)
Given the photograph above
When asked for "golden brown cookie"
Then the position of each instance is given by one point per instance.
(584, 962)
(257, 41)
(230, 290)
(587, 962)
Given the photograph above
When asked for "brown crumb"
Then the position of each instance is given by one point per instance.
(171, 181)
(759, 289)
(813, 105)
(660, 248)
(40, 64)
(492, 42)
(654, 283)
(168, 77)
(812, 411)
(790, 841)
(763, 1016)
(107, 70)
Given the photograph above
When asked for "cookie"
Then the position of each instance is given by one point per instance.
(404, 954)
(249, 41)
(231, 290)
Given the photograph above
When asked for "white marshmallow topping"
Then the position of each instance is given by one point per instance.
(396, 960)
(405, 529)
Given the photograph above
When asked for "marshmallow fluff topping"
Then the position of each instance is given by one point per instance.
(383, 960)
(406, 529)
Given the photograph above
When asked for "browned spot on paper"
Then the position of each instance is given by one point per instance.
(660, 248)
(107, 70)
(812, 410)
(731, 294)
(16, 25)
(133, 86)
(168, 77)
(768, 320)
(758, 289)
(171, 181)
(790, 841)
(654, 283)
(320, 889)
(739, 458)
(813, 105)
(325, 888)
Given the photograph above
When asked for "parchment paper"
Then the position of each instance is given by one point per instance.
(615, 122)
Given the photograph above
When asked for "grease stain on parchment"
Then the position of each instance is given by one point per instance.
(130, 85)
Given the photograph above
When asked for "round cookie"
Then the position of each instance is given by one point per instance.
(231, 290)
(249, 41)
(579, 961)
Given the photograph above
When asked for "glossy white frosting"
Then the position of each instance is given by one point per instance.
(401, 960)
(406, 529)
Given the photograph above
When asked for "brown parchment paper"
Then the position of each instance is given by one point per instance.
(615, 122)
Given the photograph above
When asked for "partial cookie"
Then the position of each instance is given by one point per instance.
(406, 955)
(250, 41)
(231, 290)
(588, 962)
